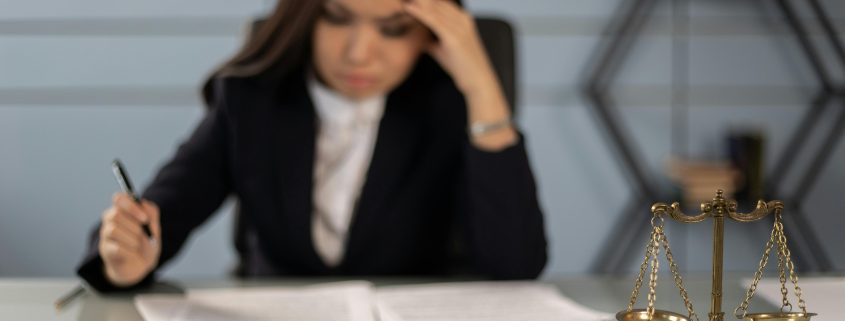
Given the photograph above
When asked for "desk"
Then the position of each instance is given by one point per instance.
(32, 299)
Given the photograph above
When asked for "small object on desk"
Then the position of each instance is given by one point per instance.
(698, 179)
(69, 297)
(126, 185)
(746, 151)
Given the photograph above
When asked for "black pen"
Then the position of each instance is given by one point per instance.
(69, 297)
(126, 186)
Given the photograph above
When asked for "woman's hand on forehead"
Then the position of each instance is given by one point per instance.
(458, 48)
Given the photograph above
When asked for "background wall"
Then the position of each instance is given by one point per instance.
(84, 81)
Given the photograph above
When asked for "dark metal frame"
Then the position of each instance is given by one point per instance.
(623, 30)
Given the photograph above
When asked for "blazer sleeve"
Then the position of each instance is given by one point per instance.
(187, 190)
(506, 236)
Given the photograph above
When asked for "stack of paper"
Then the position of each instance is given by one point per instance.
(360, 301)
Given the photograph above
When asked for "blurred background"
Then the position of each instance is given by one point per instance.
(85, 81)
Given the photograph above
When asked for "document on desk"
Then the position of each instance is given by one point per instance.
(474, 301)
(823, 295)
(342, 301)
(361, 301)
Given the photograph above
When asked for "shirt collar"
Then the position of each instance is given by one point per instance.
(335, 109)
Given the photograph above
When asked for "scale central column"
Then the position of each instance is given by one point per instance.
(716, 313)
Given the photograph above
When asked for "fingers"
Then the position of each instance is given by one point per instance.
(443, 17)
(153, 213)
(115, 252)
(114, 216)
(127, 252)
(128, 205)
(123, 267)
(451, 12)
(122, 236)
(425, 13)
(121, 232)
(145, 213)
(112, 252)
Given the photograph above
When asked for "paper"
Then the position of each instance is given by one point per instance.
(823, 295)
(360, 301)
(475, 301)
(155, 307)
(350, 301)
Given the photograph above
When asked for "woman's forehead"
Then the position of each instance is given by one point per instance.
(372, 9)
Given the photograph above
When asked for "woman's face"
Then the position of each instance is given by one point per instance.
(364, 48)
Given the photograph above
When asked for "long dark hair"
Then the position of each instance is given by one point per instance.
(278, 45)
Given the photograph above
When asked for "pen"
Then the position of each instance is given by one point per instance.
(67, 298)
(126, 185)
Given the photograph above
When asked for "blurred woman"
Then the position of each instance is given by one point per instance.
(360, 137)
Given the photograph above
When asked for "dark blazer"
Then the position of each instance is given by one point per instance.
(431, 200)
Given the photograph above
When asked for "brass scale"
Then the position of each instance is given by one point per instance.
(718, 209)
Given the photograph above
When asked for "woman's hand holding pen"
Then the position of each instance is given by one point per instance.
(128, 254)
(460, 51)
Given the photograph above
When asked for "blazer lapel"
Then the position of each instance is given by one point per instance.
(294, 153)
(400, 131)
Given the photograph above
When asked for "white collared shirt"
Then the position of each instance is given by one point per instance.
(345, 140)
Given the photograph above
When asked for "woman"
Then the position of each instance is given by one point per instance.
(351, 152)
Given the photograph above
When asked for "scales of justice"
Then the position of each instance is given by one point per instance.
(718, 209)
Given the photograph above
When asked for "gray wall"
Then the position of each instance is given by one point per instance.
(84, 81)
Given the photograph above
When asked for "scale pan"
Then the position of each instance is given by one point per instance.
(779, 316)
(642, 314)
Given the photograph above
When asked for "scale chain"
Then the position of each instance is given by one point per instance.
(785, 253)
(657, 239)
(757, 276)
(782, 277)
(677, 276)
(639, 283)
(655, 265)
(784, 263)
